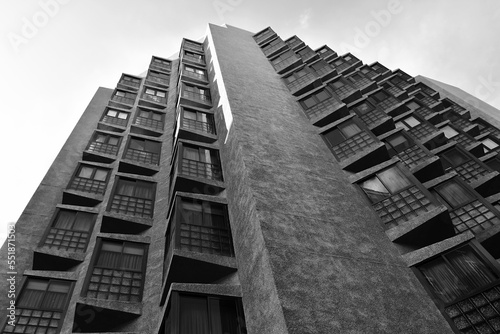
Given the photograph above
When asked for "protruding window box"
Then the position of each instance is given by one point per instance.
(195, 95)
(374, 118)
(117, 272)
(151, 119)
(115, 117)
(70, 230)
(395, 91)
(264, 36)
(90, 179)
(129, 82)
(344, 90)
(103, 147)
(143, 150)
(417, 127)
(286, 62)
(324, 70)
(132, 197)
(402, 145)
(361, 82)
(192, 45)
(196, 124)
(454, 158)
(301, 80)
(158, 79)
(394, 193)
(464, 283)
(386, 102)
(209, 312)
(196, 169)
(322, 106)
(153, 97)
(485, 127)
(459, 121)
(274, 47)
(295, 43)
(40, 306)
(346, 63)
(455, 134)
(194, 74)
(468, 210)
(353, 144)
(405, 80)
(190, 57)
(307, 54)
(429, 101)
(123, 99)
(160, 64)
(326, 53)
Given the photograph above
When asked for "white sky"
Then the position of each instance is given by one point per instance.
(51, 72)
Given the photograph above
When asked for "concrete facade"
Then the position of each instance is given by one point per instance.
(307, 252)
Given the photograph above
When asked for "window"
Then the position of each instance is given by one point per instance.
(204, 227)
(130, 81)
(320, 64)
(494, 163)
(90, 179)
(161, 63)
(453, 158)
(397, 143)
(44, 294)
(363, 108)
(408, 122)
(116, 116)
(143, 150)
(124, 97)
(194, 56)
(155, 95)
(198, 314)
(295, 76)
(70, 230)
(489, 145)
(104, 143)
(150, 119)
(196, 120)
(449, 132)
(196, 72)
(379, 96)
(385, 184)
(412, 105)
(457, 273)
(342, 132)
(118, 271)
(196, 92)
(452, 194)
(158, 77)
(314, 99)
(201, 162)
(134, 197)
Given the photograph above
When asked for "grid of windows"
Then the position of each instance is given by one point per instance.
(104, 143)
(40, 306)
(133, 197)
(130, 81)
(70, 230)
(457, 160)
(155, 95)
(143, 150)
(150, 119)
(118, 271)
(158, 77)
(199, 121)
(124, 97)
(194, 72)
(194, 57)
(200, 162)
(117, 117)
(196, 93)
(90, 179)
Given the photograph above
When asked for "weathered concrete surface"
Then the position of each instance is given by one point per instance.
(312, 256)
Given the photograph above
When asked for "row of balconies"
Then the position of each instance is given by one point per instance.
(429, 172)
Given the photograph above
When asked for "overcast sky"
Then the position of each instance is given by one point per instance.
(56, 53)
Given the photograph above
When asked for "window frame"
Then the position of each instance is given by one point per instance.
(445, 201)
(345, 136)
(410, 183)
(314, 97)
(392, 150)
(63, 308)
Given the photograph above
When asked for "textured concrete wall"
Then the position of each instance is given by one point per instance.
(312, 255)
(38, 213)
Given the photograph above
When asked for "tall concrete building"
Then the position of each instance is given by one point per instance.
(255, 185)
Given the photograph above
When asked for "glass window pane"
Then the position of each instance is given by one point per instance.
(83, 221)
(193, 318)
(137, 144)
(65, 219)
(113, 141)
(309, 102)
(394, 179)
(411, 121)
(160, 94)
(398, 142)
(454, 194)
(191, 153)
(100, 175)
(156, 117)
(374, 189)
(125, 187)
(490, 144)
(322, 96)
(413, 105)
(86, 172)
(449, 132)
(349, 129)
(455, 157)
(334, 137)
(100, 138)
(150, 91)
(402, 125)
(111, 113)
(123, 115)
(364, 108)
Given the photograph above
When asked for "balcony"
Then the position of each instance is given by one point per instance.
(154, 98)
(195, 96)
(115, 121)
(151, 158)
(196, 59)
(70, 240)
(274, 47)
(264, 36)
(88, 185)
(156, 124)
(124, 99)
(130, 205)
(196, 125)
(98, 147)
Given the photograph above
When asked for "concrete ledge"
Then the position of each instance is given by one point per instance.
(420, 255)
(441, 179)
(134, 308)
(70, 276)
